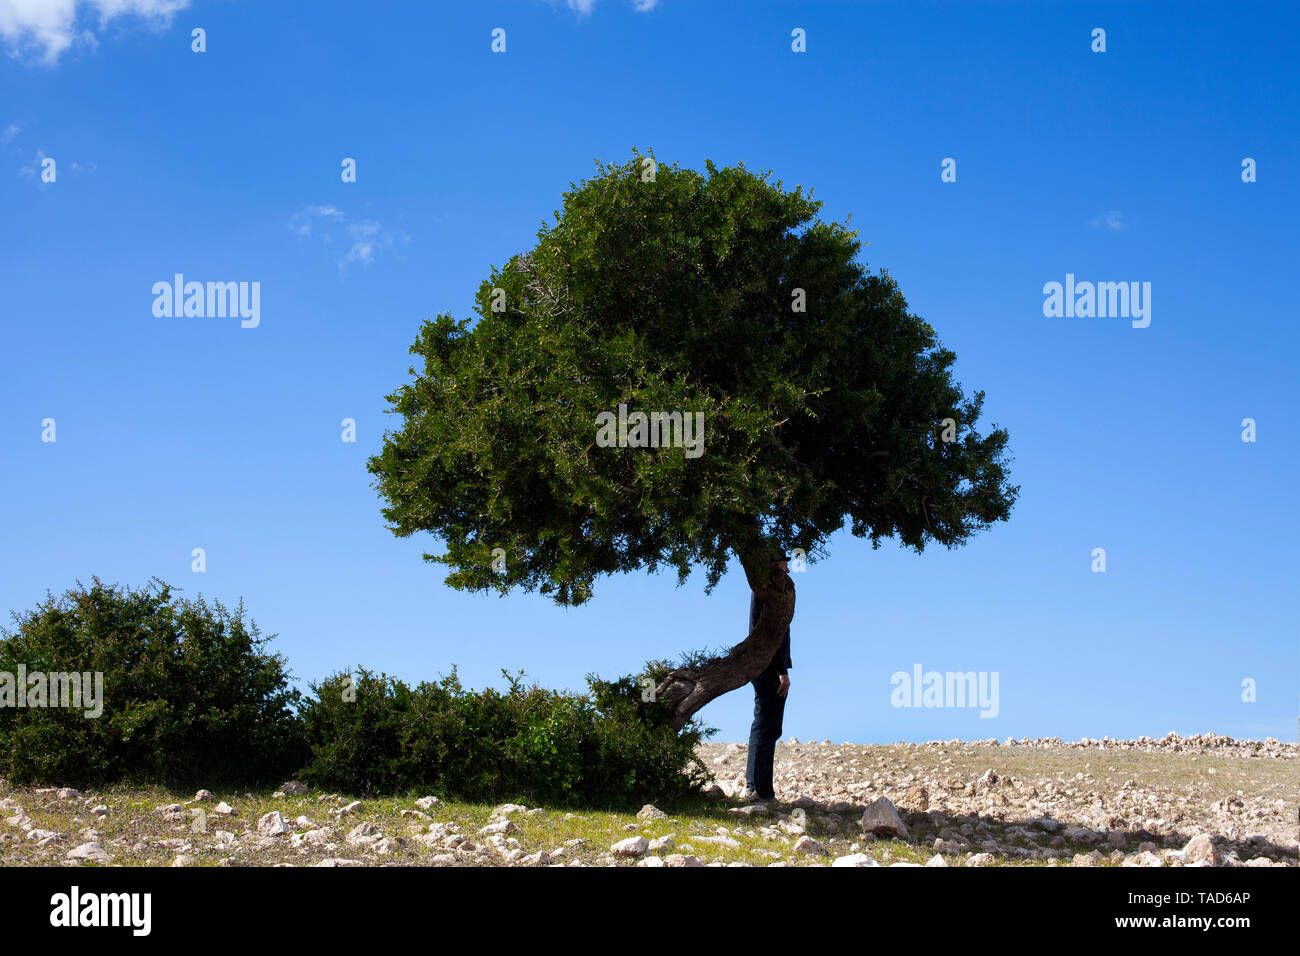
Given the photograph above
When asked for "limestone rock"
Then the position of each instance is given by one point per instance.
(92, 852)
(854, 859)
(809, 847)
(1202, 849)
(272, 824)
(882, 819)
(631, 847)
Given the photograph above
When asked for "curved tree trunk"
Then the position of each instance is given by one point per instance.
(689, 689)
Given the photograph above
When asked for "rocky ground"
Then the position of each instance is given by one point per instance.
(1177, 801)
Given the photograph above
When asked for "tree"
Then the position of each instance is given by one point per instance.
(660, 289)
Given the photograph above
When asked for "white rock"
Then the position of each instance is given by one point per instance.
(203, 796)
(424, 803)
(500, 827)
(651, 812)
(881, 818)
(662, 843)
(89, 851)
(936, 860)
(272, 824)
(314, 837)
(631, 847)
(1201, 849)
(173, 812)
(808, 846)
(385, 845)
(721, 840)
(67, 793)
(363, 833)
(854, 859)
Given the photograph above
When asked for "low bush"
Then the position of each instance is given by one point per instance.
(609, 748)
(189, 696)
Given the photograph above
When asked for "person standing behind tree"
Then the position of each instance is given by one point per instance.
(770, 690)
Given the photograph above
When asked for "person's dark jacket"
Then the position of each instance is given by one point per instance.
(781, 659)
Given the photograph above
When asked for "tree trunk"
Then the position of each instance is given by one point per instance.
(689, 689)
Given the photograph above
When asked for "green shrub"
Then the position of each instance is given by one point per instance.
(191, 699)
(189, 696)
(377, 735)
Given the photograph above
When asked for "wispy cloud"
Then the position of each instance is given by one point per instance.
(364, 239)
(10, 133)
(301, 221)
(49, 27)
(1112, 220)
(583, 8)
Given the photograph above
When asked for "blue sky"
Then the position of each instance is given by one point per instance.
(224, 165)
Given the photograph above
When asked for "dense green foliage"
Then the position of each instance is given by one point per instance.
(668, 290)
(189, 695)
(377, 735)
(190, 698)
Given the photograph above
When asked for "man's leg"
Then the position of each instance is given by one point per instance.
(755, 740)
(769, 711)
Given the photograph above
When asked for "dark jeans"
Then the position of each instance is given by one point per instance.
(769, 709)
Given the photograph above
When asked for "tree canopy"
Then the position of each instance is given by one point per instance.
(825, 401)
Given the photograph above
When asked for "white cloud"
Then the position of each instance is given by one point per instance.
(11, 131)
(1112, 220)
(50, 27)
(583, 8)
(365, 238)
